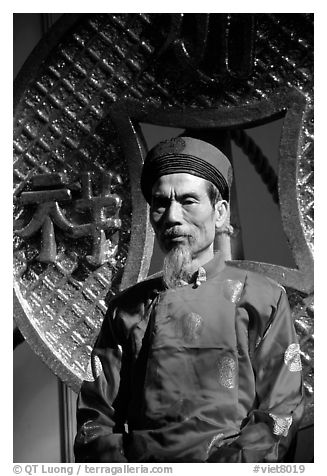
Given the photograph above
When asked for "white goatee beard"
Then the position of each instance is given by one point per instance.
(178, 266)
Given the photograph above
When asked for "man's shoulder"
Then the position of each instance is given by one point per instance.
(139, 292)
(253, 281)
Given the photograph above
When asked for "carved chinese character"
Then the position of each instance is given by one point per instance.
(98, 206)
(51, 200)
(47, 212)
(213, 47)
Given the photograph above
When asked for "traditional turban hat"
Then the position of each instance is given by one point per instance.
(186, 155)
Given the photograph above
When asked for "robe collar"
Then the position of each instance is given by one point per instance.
(210, 269)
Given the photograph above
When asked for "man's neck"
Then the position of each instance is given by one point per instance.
(203, 258)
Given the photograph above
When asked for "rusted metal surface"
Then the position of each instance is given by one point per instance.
(78, 105)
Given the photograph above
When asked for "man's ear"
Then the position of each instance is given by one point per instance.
(221, 210)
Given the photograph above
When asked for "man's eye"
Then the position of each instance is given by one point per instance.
(159, 204)
(189, 201)
(159, 209)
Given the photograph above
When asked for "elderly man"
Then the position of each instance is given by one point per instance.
(200, 363)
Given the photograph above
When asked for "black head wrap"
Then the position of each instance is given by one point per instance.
(186, 155)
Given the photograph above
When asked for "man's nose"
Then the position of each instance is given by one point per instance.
(174, 213)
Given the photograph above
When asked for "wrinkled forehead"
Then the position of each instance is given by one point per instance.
(179, 184)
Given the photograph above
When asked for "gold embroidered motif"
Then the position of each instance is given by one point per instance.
(227, 372)
(281, 424)
(201, 276)
(191, 327)
(216, 440)
(292, 358)
(233, 290)
(94, 368)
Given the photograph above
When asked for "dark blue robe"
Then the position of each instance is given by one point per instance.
(210, 371)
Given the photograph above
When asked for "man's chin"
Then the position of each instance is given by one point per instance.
(178, 264)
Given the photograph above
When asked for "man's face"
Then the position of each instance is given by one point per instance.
(181, 214)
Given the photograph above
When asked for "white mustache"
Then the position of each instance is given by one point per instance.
(172, 232)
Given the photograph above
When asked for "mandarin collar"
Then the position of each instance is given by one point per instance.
(209, 269)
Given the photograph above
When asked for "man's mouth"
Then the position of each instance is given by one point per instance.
(173, 235)
(173, 238)
(178, 237)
